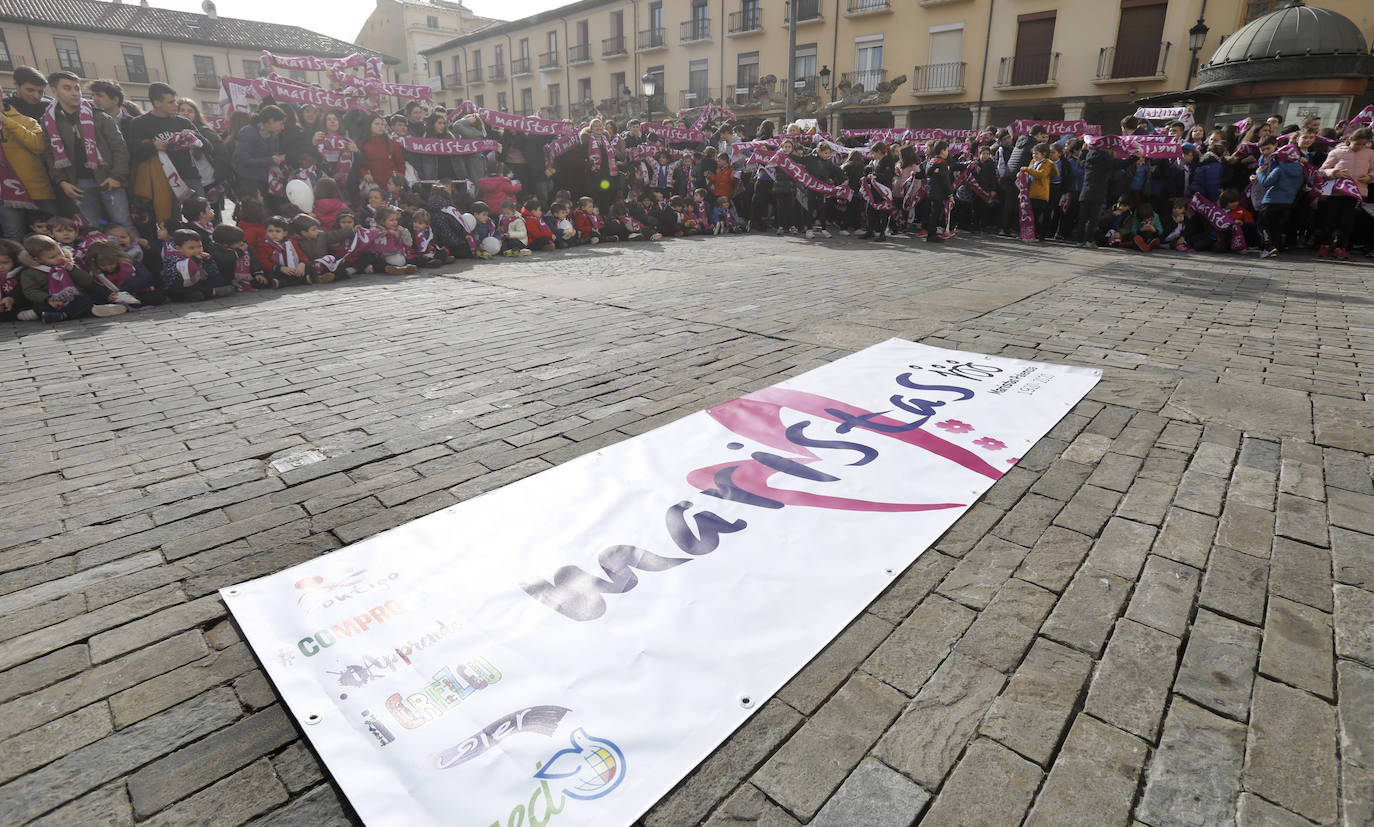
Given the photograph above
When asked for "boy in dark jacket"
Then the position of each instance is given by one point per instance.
(1098, 167)
(939, 187)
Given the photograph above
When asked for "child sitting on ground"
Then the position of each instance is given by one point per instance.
(236, 257)
(484, 231)
(390, 241)
(57, 288)
(285, 261)
(724, 219)
(133, 283)
(540, 236)
(305, 231)
(424, 252)
(514, 237)
(561, 226)
(189, 274)
(13, 305)
(587, 221)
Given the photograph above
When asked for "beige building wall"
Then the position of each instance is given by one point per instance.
(951, 80)
(113, 56)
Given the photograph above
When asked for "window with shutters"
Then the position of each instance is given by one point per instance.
(6, 62)
(68, 54)
(746, 70)
(1258, 8)
(1034, 49)
(1139, 39)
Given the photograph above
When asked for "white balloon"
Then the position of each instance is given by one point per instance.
(298, 192)
(491, 245)
(469, 221)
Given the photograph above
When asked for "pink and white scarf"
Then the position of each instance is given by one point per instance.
(60, 284)
(314, 64)
(445, 146)
(1023, 205)
(86, 118)
(13, 193)
(877, 195)
(1219, 219)
(529, 124)
(336, 145)
(808, 181)
(674, 133)
(596, 146)
(190, 269)
(185, 139)
(284, 254)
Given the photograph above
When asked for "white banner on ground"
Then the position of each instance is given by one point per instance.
(567, 648)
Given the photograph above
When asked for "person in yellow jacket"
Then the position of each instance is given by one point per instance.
(1040, 170)
(23, 145)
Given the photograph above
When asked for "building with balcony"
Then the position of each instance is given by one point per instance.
(138, 45)
(408, 27)
(872, 63)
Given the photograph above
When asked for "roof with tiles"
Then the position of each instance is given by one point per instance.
(166, 24)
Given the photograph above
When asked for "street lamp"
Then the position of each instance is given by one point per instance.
(825, 81)
(1197, 37)
(650, 85)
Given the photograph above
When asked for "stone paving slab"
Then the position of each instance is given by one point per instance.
(1160, 616)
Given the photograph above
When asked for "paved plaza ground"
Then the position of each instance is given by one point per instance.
(1164, 614)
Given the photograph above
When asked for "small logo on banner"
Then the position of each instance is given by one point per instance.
(592, 768)
(543, 720)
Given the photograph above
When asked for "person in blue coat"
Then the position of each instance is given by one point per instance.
(1282, 181)
(1205, 176)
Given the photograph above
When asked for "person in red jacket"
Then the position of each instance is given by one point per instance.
(540, 236)
(382, 157)
(497, 186)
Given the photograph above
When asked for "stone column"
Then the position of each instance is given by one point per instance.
(981, 114)
(1073, 110)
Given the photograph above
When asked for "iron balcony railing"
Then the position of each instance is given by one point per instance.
(520, 66)
(475, 74)
(865, 6)
(939, 78)
(579, 53)
(749, 20)
(1135, 60)
(452, 80)
(868, 78)
(204, 81)
(807, 11)
(697, 29)
(1036, 69)
(496, 72)
(613, 46)
(548, 60)
(650, 39)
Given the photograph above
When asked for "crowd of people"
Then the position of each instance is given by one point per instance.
(107, 208)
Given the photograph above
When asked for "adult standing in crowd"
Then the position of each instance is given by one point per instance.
(28, 96)
(88, 160)
(257, 148)
(150, 154)
(211, 160)
(382, 157)
(109, 96)
(21, 159)
(472, 166)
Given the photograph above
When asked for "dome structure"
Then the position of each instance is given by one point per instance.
(1295, 41)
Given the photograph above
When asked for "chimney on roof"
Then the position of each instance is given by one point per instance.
(209, 8)
(143, 3)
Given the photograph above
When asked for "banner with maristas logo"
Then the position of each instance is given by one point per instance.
(565, 649)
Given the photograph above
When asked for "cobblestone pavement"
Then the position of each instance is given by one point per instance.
(1161, 616)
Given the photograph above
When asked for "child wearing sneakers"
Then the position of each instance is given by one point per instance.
(588, 222)
(514, 235)
(285, 261)
(113, 268)
(57, 288)
(484, 231)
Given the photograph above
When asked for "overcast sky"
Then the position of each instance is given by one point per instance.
(343, 18)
